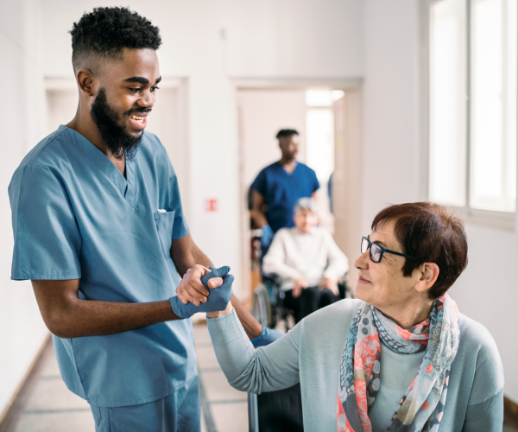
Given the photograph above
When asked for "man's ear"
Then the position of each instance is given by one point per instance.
(428, 274)
(86, 81)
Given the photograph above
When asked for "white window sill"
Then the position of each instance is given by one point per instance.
(501, 221)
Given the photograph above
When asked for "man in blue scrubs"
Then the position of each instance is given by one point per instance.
(99, 229)
(279, 186)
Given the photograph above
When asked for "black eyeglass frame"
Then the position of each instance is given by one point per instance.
(383, 250)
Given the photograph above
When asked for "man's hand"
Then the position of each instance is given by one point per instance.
(191, 289)
(218, 299)
(331, 285)
(300, 284)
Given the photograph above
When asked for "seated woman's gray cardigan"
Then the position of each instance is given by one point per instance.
(311, 354)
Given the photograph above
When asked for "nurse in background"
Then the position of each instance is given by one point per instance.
(279, 186)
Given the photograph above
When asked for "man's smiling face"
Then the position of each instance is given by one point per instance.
(124, 99)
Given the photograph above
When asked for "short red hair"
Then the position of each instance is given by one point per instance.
(431, 233)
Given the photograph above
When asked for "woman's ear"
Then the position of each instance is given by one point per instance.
(428, 274)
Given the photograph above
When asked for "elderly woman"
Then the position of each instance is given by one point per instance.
(308, 261)
(401, 357)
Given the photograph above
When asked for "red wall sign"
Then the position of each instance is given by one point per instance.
(211, 205)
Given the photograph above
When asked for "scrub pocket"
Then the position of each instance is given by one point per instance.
(164, 226)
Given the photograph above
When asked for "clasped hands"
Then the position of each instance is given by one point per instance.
(202, 290)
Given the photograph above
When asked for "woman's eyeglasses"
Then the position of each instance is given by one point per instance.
(376, 251)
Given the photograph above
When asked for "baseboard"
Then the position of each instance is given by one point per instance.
(510, 412)
(15, 405)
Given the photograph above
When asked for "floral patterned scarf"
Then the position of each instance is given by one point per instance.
(422, 406)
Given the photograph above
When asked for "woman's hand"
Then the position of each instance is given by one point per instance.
(300, 283)
(221, 313)
(331, 285)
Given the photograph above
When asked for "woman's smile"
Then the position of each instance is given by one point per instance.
(362, 280)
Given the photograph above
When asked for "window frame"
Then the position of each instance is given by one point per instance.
(504, 221)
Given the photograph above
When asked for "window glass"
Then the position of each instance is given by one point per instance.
(320, 141)
(493, 105)
(447, 176)
(319, 98)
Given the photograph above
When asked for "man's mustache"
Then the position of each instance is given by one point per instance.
(139, 110)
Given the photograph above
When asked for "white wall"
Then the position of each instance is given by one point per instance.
(390, 106)
(261, 114)
(21, 329)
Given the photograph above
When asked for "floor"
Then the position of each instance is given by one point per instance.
(51, 407)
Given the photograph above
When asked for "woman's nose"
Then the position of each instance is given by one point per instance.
(362, 262)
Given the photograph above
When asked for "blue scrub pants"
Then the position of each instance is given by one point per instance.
(178, 412)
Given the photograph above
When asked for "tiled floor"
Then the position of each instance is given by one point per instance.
(51, 407)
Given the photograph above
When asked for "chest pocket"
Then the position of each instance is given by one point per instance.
(164, 226)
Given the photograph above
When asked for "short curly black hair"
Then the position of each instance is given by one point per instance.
(286, 133)
(106, 31)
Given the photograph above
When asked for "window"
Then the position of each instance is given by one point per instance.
(472, 112)
(320, 153)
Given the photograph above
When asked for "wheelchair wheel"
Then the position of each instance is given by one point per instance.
(261, 308)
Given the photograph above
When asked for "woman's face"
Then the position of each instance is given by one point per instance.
(382, 284)
(305, 220)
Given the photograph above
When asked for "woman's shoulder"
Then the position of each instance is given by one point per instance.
(478, 352)
(339, 313)
(285, 233)
(475, 336)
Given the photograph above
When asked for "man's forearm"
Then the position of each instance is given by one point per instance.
(98, 318)
(201, 258)
(185, 255)
(259, 218)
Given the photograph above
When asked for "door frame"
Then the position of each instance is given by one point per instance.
(353, 121)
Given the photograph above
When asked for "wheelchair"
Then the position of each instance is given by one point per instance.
(268, 301)
(278, 411)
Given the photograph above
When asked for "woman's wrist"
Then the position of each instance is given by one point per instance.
(219, 314)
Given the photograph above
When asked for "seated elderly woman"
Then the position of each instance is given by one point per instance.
(399, 358)
(308, 261)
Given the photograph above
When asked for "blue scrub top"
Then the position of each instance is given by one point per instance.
(75, 216)
(281, 191)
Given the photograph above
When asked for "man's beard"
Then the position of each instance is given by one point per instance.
(116, 137)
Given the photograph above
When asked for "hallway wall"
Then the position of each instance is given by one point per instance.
(21, 328)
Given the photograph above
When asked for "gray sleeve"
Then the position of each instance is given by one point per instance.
(269, 368)
(487, 416)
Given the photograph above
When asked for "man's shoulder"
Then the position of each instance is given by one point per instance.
(303, 167)
(47, 153)
(270, 168)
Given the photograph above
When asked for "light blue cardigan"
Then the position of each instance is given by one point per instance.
(311, 354)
